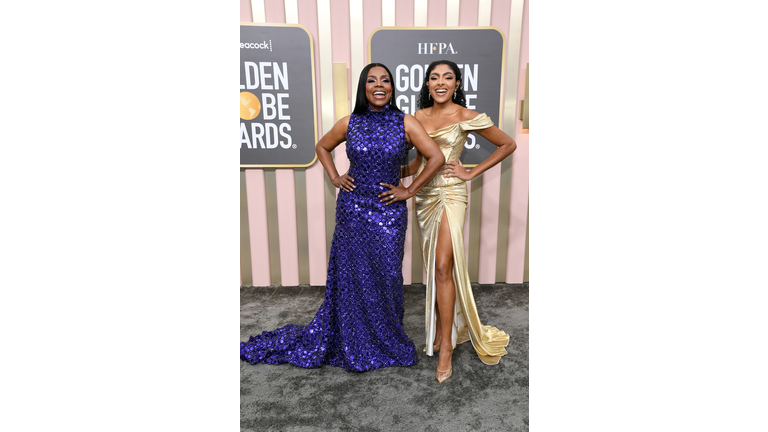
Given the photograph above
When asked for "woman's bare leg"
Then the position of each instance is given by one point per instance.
(445, 293)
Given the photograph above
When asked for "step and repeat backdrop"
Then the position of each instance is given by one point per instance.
(299, 65)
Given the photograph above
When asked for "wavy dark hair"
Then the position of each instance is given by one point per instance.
(425, 101)
(361, 102)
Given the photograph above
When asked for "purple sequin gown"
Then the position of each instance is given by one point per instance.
(360, 323)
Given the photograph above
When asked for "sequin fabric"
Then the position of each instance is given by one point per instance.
(359, 326)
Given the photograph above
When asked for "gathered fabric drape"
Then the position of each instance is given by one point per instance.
(449, 196)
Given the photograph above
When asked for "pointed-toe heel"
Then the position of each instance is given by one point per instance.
(441, 379)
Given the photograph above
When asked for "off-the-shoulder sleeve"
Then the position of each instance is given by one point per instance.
(482, 121)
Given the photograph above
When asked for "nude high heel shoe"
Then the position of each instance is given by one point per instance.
(441, 378)
(443, 375)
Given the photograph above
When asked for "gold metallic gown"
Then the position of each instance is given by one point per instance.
(449, 195)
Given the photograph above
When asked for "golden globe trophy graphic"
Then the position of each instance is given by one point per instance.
(250, 107)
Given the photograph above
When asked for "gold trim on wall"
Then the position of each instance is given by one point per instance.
(417, 257)
(341, 99)
(330, 214)
(341, 109)
(325, 47)
(525, 262)
(246, 272)
(475, 205)
(273, 235)
(302, 230)
(502, 230)
(527, 99)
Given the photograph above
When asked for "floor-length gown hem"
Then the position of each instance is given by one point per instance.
(359, 326)
(449, 196)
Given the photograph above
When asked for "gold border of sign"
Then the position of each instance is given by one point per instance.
(314, 92)
(502, 86)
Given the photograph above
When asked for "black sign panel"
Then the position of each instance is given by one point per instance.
(278, 125)
(478, 51)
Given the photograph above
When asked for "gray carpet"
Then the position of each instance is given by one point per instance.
(477, 397)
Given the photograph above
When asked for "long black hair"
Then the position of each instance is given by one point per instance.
(361, 102)
(425, 101)
(361, 105)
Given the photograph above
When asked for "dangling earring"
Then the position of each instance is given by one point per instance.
(454, 94)
(429, 95)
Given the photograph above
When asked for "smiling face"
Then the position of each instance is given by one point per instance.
(442, 83)
(378, 88)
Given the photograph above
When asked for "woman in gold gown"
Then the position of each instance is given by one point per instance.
(451, 314)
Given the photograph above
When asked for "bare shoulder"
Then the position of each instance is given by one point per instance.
(413, 126)
(468, 114)
(340, 127)
(336, 135)
(423, 113)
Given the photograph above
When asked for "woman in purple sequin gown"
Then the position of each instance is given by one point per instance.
(360, 323)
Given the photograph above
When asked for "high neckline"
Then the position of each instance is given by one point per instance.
(385, 109)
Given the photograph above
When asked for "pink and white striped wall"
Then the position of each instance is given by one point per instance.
(286, 208)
